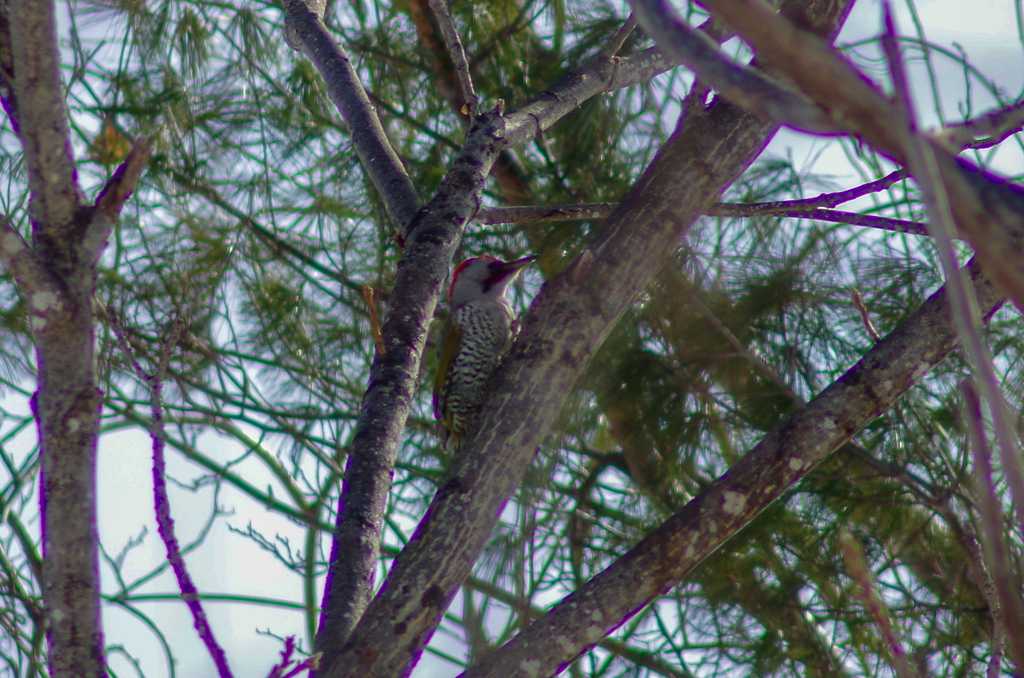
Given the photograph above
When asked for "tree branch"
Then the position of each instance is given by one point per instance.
(745, 86)
(453, 44)
(113, 195)
(762, 476)
(520, 214)
(432, 238)
(376, 154)
(42, 115)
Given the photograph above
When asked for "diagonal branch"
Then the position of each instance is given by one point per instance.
(376, 154)
(453, 44)
(745, 86)
(520, 214)
(433, 236)
(761, 477)
(112, 197)
(121, 184)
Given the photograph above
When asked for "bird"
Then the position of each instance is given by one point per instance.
(478, 333)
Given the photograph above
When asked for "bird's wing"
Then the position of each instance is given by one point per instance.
(449, 347)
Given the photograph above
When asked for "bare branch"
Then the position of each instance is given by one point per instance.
(526, 214)
(532, 382)
(371, 305)
(865, 316)
(996, 125)
(457, 54)
(432, 239)
(42, 115)
(433, 236)
(112, 197)
(745, 86)
(783, 457)
(592, 211)
(614, 45)
(377, 156)
(121, 184)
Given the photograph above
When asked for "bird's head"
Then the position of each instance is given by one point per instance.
(483, 277)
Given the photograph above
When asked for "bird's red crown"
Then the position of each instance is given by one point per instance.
(463, 264)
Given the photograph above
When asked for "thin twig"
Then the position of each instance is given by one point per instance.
(865, 317)
(161, 500)
(921, 160)
(285, 669)
(994, 125)
(371, 304)
(121, 184)
(112, 197)
(801, 209)
(857, 569)
(453, 44)
(614, 45)
(1008, 611)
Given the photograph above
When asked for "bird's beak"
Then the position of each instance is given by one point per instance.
(516, 264)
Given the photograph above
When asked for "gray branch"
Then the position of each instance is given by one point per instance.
(376, 154)
(762, 476)
(564, 326)
(433, 236)
(742, 85)
(42, 115)
(453, 44)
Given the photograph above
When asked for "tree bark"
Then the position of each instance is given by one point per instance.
(765, 474)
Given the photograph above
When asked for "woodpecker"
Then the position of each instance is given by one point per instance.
(479, 331)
